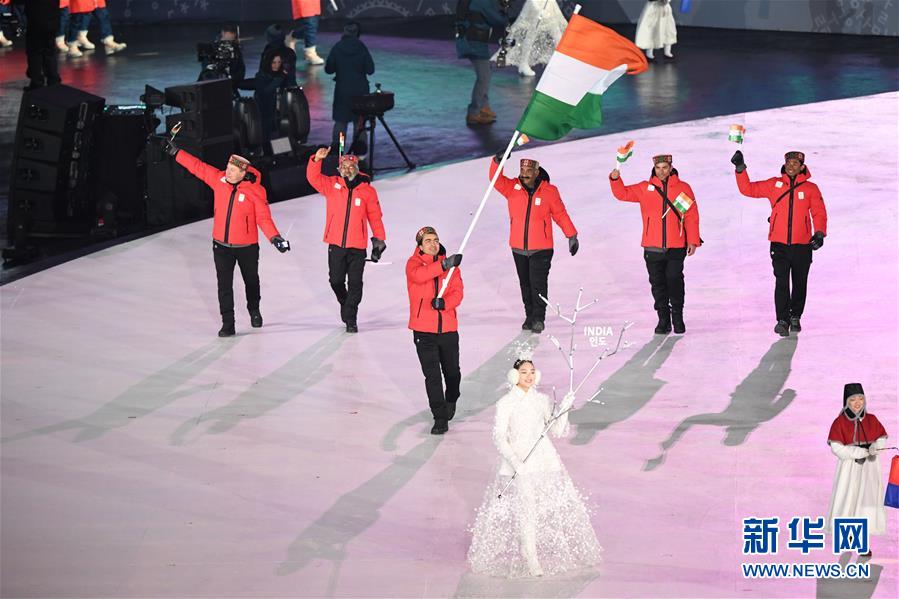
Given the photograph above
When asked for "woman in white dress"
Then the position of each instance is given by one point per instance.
(536, 32)
(855, 438)
(540, 524)
(656, 28)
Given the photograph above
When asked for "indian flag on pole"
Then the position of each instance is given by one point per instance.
(588, 59)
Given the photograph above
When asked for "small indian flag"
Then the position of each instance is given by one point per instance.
(588, 59)
(625, 152)
(736, 133)
(682, 202)
(340, 148)
(522, 139)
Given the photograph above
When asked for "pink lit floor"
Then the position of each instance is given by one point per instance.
(143, 456)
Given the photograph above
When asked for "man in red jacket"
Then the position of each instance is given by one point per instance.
(240, 206)
(534, 203)
(434, 324)
(797, 209)
(352, 205)
(670, 234)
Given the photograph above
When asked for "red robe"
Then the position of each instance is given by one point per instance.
(844, 431)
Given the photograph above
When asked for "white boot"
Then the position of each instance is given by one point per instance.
(668, 53)
(525, 70)
(61, 43)
(312, 56)
(82, 41)
(650, 54)
(110, 45)
(290, 41)
(74, 52)
(5, 43)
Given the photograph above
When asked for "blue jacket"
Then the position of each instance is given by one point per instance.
(466, 47)
(350, 62)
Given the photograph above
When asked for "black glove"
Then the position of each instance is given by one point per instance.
(377, 248)
(817, 240)
(438, 303)
(250, 177)
(170, 148)
(573, 245)
(280, 244)
(737, 161)
(498, 157)
(454, 260)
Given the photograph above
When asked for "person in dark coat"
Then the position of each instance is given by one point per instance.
(265, 86)
(274, 37)
(40, 42)
(351, 63)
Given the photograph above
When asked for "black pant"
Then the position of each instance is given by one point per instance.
(666, 277)
(533, 277)
(40, 42)
(790, 261)
(247, 258)
(436, 352)
(345, 266)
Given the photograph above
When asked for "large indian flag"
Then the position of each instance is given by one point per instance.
(588, 59)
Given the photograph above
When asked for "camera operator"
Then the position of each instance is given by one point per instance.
(474, 22)
(223, 59)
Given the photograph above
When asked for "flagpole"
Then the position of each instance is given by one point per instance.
(477, 215)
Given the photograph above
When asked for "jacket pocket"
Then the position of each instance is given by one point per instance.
(420, 302)
(328, 226)
(646, 227)
(247, 221)
(773, 220)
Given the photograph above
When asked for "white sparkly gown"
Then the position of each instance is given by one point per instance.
(540, 525)
(535, 38)
(655, 26)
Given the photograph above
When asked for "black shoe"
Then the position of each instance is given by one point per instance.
(450, 410)
(664, 326)
(255, 319)
(782, 328)
(537, 326)
(440, 427)
(227, 329)
(666, 57)
(526, 325)
(677, 318)
(351, 327)
(794, 324)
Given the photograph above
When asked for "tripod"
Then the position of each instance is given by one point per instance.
(368, 124)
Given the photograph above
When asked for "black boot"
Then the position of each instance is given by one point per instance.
(677, 318)
(664, 326)
(255, 319)
(450, 410)
(227, 329)
(782, 328)
(351, 327)
(537, 326)
(440, 427)
(526, 325)
(795, 324)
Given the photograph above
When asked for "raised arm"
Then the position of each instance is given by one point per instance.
(199, 169)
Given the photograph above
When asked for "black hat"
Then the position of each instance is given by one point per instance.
(851, 389)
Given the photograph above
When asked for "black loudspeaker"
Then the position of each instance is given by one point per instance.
(175, 195)
(248, 126)
(121, 164)
(202, 125)
(284, 175)
(202, 96)
(51, 178)
(293, 109)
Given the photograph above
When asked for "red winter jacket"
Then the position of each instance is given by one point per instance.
(238, 209)
(349, 209)
(83, 6)
(789, 221)
(306, 8)
(424, 278)
(531, 214)
(652, 206)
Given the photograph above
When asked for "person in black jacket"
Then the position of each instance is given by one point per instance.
(351, 63)
(272, 76)
(274, 37)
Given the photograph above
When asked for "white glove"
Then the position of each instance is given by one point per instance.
(858, 453)
(567, 402)
(872, 450)
(516, 464)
